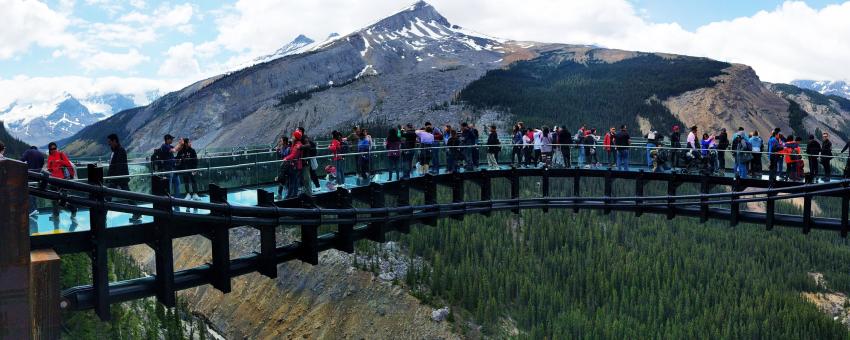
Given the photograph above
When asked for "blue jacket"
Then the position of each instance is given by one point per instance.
(33, 158)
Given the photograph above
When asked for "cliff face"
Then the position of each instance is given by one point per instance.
(738, 99)
(827, 113)
(329, 301)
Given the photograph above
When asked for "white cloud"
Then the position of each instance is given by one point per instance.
(114, 61)
(180, 62)
(29, 22)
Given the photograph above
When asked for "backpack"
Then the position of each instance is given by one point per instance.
(746, 149)
(159, 158)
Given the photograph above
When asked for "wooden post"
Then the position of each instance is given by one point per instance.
(704, 189)
(346, 231)
(486, 185)
(15, 252)
(45, 296)
(309, 235)
(162, 247)
(845, 206)
(771, 206)
(99, 257)
(672, 185)
(639, 186)
(430, 196)
(377, 230)
(576, 189)
(609, 183)
(735, 208)
(268, 238)
(544, 186)
(220, 237)
(457, 192)
(807, 209)
(403, 200)
(514, 178)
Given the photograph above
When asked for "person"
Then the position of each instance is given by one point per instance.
(722, 146)
(493, 149)
(847, 164)
(579, 138)
(59, 166)
(393, 147)
(454, 153)
(118, 168)
(813, 150)
(537, 136)
(528, 147)
(546, 150)
(426, 141)
(408, 136)
(565, 139)
(516, 149)
(791, 152)
(774, 152)
(338, 147)
(798, 160)
(295, 165)
(364, 146)
(675, 143)
(435, 147)
(468, 140)
(743, 152)
(35, 162)
(164, 161)
(2, 151)
(692, 138)
(353, 139)
(607, 143)
(621, 140)
(188, 159)
(589, 145)
(826, 157)
(650, 146)
(758, 145)
(282, 149)
(309, 149)
(707, 147)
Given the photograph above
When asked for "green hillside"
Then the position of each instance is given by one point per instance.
(14, 147)
(548, 91)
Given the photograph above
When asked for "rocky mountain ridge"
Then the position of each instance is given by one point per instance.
(837, 88)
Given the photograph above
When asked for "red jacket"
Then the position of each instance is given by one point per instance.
(335, 146)
(56, 161)
(295, 155)
(609, 139)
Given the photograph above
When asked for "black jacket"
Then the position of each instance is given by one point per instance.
(723, 141)
(826, 148)
(118, 165)
(813, 148)
(493, 141)
(188, 158)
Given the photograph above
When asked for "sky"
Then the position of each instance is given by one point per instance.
(86, 47)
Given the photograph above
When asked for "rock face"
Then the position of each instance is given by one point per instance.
(826, 113)
(738, 99)
(834, 304)
(837, 88)
(329, 301)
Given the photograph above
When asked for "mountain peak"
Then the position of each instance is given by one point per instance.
(301, 40)
(420, 11)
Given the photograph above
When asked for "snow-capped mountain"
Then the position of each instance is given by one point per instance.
(838, 88)
(41, 123)
(291, 48)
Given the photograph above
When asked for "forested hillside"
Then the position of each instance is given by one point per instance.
(561, 275)
(14, 147)
(552, 90)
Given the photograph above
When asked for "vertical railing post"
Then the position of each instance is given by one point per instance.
(45, 294)
(640, 183)
(346, 230)
(544, 187)
(672, 186)
(309, 248)
(15, 272)
(162, 247)
(99, 257)
(704, 189)
(268, 238)
(807, 209)
(430, 196)
(735, 208)
(457, 192)
(220, 238)
(514, 178)
(770, 210)
(403, 200)
(576, 188)
(377, 230)
(608, 191)
(486, 185)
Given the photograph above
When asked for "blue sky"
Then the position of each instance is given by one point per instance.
(50, 47)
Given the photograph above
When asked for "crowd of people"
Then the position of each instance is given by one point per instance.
(419, 150)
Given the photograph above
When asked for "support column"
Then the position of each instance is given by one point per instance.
(15, 252)
(45, 295)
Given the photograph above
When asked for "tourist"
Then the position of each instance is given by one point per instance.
(426, 141)
(282, 149)
(743, 152)
(435, 147)
(722, 146)
(364, 147)
(546, 137)
(408, 136)
(676, 144)
(35, 162)
(813, 150)
(467, 139)
(650, 145)
(59, 166)
(188, 159)
(516, 150)
(791, 152)
(588, 143)
(528, 147)
(118, 168)
(309, 150)
(826, 157)
(607, 143)
(579, 139)
(774, 152)
(473, 145)
(564, 140)
(164, 161)
(621, 140)
(295, 165)
(755, 164)
(454, 154)
(847, 163)
(493, 149)
(338, 147)
(393, 148)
